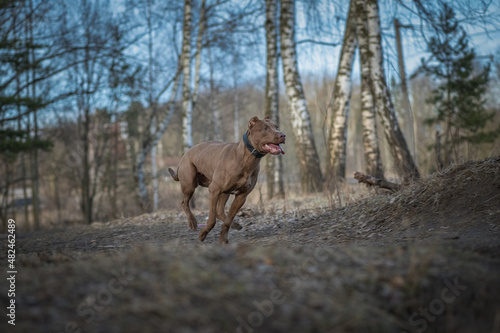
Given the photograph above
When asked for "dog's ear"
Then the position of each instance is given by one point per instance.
(267, 117)
(252, 122)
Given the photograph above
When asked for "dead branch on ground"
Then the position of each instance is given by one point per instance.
(372, 181)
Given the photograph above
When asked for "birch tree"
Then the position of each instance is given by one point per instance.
(236, 97)
(274, 166)
(199, 46)
(187, 101)
(213, 103)
(368, 118)
(158, 118)
(151, 140)
(338, 109)
(311, 177)
(403, 160)
(152, 105)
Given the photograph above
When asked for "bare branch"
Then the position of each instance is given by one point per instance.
(312, 41)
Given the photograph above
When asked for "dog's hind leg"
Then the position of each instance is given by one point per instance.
(189, 183)
(239, 200)
(185, 205)
(221, 214)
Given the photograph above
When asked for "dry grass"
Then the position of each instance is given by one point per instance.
(384, 263)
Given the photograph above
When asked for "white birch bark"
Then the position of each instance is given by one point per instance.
(368, 118)
(236, 112)
(339, 107)
(213, 103)
(199, 47)
(151, 141)
(311, 177)
(274, 165)
(236, 101)
(187, 101)
(152, 106)
(403, 160)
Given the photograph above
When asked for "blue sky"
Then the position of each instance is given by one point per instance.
(319, 59)
(327, 24)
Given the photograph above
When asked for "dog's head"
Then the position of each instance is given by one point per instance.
(265, 136)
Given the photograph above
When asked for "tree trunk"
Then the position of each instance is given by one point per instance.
(274, 165)
(371, 147)
(368, 120)
(154, 168)
(236, 95)
(311, 177)
(4, 203)
(338, 109)
(187, 101)
(151, 141)
(403, 160)
(406, 107)
(151, 138)
(20, 128)
(114, 167)
(213, 104)
(34, 164)
(236, 105)
(153, 108)
(86, 202)
(199, 46)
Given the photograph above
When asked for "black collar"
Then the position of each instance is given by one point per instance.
(249, 146)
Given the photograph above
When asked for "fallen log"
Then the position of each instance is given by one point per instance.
(372, 181)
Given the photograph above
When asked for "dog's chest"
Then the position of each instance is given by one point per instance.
(243, 184)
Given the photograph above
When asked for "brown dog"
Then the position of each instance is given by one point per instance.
(226, 168)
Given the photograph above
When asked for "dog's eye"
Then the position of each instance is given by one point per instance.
(265, 128)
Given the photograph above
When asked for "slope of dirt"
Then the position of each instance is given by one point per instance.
(423, 259)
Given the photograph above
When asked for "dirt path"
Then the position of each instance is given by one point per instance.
(424, 259)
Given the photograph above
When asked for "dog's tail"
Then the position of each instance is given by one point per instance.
(173, 174)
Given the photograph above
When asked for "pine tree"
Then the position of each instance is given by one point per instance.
(459, 99)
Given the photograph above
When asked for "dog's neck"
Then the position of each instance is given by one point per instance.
(251, 148)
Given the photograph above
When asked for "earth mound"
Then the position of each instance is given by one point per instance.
(422, 259)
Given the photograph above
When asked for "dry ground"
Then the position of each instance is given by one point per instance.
(424, 259)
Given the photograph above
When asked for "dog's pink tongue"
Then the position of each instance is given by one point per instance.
(274, 149)
(278, 150)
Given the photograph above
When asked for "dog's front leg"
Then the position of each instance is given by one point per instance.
(212, 214)
(221, 204)
(238, 201)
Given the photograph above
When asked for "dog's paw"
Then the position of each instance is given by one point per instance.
(223, 241)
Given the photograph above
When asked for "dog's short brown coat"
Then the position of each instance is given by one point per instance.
(226, 168)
